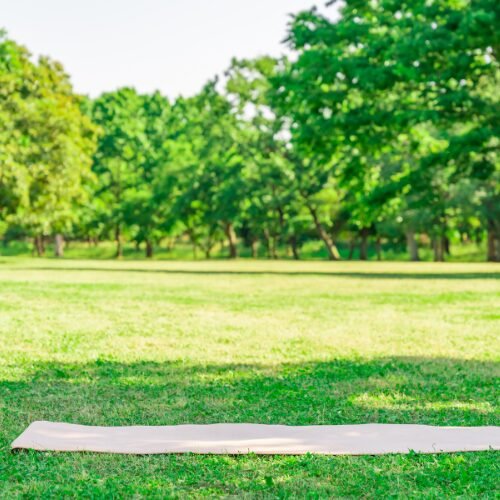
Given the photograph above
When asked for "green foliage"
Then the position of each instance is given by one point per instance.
(402, 85)
(119, 155)
(384, 125)
(46, 143)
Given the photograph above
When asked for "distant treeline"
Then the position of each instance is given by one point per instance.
(381, 126)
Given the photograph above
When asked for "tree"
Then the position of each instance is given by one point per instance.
(272, 208)
(385, 68)
(211, 187)
(144, 207)
(120, 155)
(47, 144)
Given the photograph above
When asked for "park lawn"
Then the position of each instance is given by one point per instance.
(122, 343)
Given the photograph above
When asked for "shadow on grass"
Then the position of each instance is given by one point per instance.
(390, 390)
(339, 274)
(106, 392)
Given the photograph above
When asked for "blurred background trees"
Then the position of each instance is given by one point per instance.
(381, 131)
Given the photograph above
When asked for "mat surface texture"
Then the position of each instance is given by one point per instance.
(365, 439)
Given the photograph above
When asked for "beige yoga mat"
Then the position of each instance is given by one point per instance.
(366, 439)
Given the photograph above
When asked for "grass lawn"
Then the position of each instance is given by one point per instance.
(122, 343)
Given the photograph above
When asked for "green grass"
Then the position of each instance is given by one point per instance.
(120, 343)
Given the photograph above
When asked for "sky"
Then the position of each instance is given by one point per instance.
(173, 46)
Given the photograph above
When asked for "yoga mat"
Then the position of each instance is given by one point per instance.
(233, 439)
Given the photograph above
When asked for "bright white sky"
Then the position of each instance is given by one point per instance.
(171, 45)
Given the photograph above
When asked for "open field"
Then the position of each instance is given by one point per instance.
(121, 343)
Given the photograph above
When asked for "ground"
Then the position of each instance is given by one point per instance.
(121, 343)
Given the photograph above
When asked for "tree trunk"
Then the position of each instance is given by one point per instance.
(267, 237)
(39, 246)
(294, 247)
(333, 253)
(363, 246)
(253, 248)
(59, 245)
(270, 245)
(274, 255)
(441, 251)
(437, 243)
(378, 248)
(445, 243)
(119, 243)
(493, 255)
(149, 249)
(411, 243)
(231, 239)
(352, 245)
(192, 239)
